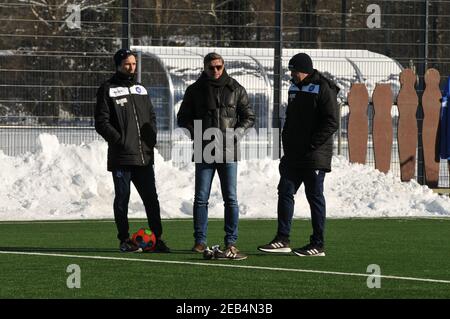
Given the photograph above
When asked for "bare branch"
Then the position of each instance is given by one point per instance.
(36, 3)
(213, 11)
(36, 14)
(96, 6)
(62, 4)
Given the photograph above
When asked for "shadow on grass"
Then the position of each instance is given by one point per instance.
(84, 250)
(58, 250)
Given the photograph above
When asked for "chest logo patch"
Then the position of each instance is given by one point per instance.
(138, 89)
(118, 91)
(311, 88)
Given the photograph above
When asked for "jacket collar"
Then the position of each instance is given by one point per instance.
(123, 79)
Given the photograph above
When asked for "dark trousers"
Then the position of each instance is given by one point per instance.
(290, 181)
(143, 178)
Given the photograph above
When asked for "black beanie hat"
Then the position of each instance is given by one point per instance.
(121, 55)
(301, 62)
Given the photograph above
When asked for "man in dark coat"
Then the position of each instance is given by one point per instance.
(216, 111)
(125, 118)
(311, 119)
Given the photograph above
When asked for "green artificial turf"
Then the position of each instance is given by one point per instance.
(417, 248)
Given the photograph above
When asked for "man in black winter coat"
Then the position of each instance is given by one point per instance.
(312, 118)
(218, 104)
(125, 118)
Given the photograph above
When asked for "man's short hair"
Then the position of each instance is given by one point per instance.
(212, 56)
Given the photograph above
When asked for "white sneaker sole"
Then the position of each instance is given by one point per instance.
(322, 254)
(276, 251)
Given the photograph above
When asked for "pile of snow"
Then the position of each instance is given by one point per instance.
(71, 182)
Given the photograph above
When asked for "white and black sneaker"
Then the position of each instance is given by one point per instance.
(276, 246)
(231, 253)
(309, 250)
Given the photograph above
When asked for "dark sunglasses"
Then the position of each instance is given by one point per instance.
(215, 67)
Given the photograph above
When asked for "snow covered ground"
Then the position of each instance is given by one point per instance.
(71, 182)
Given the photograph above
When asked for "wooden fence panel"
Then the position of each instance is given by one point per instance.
(382, 126)
(431, 108)
(407, 102)
(358, 124)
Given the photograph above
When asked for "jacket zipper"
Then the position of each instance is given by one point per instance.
(219, 94)
(138, 129)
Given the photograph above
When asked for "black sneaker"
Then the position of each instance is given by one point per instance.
(161, 247)
(310, 250)
(127, 246)
(211, 253)
(230, 253)
(276, 246)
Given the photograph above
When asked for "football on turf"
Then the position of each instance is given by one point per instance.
(144, 238)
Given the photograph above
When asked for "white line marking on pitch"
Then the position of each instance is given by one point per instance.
(225, 266)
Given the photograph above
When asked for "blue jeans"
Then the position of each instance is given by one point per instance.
(143, 178)
(290, 181)
(204, 174)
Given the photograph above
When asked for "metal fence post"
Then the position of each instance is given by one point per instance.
(126, 23)
(339, 151)
(422, 67)
(277, 69)
(139, 66)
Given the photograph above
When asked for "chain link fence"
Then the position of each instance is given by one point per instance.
(54, 55)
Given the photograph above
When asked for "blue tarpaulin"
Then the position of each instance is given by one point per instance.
(445, 123)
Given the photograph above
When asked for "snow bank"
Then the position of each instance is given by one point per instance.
(71, 182)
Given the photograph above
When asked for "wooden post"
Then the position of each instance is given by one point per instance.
(431, 109)
(382, 126)
(407, 102)
(358, 124)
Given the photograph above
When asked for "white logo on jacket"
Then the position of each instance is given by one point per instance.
(311, 88)
(122, 101)
(138, 89)
(118, 91)
(121, 91)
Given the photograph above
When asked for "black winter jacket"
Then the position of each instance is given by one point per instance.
(125, 118)
(233, 112)
(312, 118)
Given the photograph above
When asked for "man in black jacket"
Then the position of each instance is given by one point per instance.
(311, 120)
(218, 104)
(125, 118)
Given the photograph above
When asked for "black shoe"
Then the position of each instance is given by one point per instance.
(161, 247)
(230, 253)
(211, 253)
(310, 250)
(276, 246)
(127, 246)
